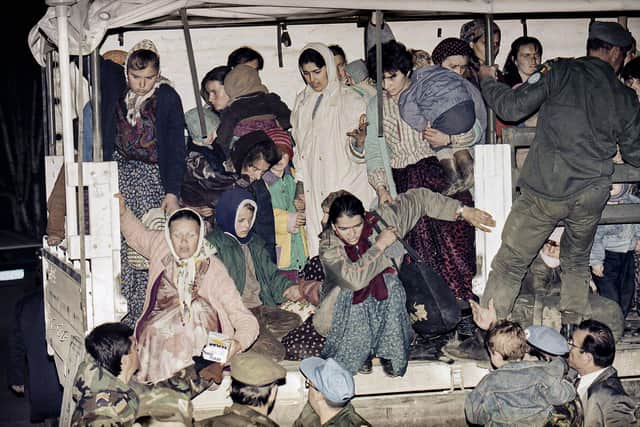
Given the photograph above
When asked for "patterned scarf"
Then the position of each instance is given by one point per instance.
(187, 268)
(132, 101)
(376, 287)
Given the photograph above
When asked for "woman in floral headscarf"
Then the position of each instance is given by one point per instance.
(150, 152)
(190, 294)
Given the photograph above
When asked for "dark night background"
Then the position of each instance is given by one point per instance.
(22, 207)
(19, 83)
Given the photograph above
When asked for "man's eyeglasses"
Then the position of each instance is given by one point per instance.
(309, 384)
(572, 344)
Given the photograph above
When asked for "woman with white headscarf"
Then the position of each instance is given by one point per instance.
(326, 158)
(189, 294)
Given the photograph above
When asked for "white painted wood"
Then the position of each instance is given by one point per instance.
(493, 193)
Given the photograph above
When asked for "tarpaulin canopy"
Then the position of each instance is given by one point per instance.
(90, 20)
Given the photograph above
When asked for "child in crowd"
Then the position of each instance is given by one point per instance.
(251, 107)
(291, 241)
(438, 99)
(517, 392)
(256, 276)
(612, 254)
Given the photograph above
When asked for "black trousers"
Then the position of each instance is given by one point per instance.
(618, 282)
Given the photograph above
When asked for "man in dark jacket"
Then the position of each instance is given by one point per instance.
(603, 398)
(584, 112)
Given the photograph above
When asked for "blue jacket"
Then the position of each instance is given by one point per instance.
(519, 394)
(434, 90)
(619, 238)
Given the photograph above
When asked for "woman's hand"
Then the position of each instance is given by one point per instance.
(234, 348)
(293, 293)
(301, 220)
(121, 203)
(386, 238)
(298, 203)
(170, 204)
(384, 197)
(483, 317)
(204, 211)
(435, 138)
(360, 134)
(478, 218)
(598, 270)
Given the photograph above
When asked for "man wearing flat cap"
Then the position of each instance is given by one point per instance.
(584, 112)
(254, 387)
(331, 389)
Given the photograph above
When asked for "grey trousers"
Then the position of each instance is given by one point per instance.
(530, 222)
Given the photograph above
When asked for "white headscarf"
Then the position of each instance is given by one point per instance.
(133, 101)
(186, 268)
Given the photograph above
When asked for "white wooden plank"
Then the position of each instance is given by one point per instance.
(493, 193)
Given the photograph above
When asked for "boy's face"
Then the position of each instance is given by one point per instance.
(244, 220)
(142, 81)
(394, 82)
(255, 170)
(496, 359)
(130, 362)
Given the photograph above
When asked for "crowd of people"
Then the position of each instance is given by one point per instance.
(283, 229)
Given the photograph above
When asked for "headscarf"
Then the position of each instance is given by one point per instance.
(332, 73)
(131, 100)
(228, 208)
(243, 80)
(450, 47)
(187, 268)
(472, 31)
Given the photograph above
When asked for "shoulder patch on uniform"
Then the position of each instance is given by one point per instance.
(102, 398)
(120, 405)
(534, 78)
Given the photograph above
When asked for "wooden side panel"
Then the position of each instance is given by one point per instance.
(493, 193)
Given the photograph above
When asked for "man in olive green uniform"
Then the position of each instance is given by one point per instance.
(254, 387)
(105, 393)
(584, 111)
(331, 389)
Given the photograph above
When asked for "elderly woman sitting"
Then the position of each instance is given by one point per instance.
(369, 317)
(189, 294)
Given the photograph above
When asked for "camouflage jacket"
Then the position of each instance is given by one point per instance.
(103, 400)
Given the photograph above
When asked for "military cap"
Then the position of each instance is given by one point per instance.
(547, 339)
(610, 32)
(255, 369)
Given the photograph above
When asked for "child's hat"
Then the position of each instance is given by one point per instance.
(281, 138)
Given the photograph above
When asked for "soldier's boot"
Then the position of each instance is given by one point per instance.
(464, 163)
(472, 348)
(454, 182)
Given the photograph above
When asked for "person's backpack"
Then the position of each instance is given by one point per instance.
(432, 306)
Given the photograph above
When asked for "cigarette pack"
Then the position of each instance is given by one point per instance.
(217, 348)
